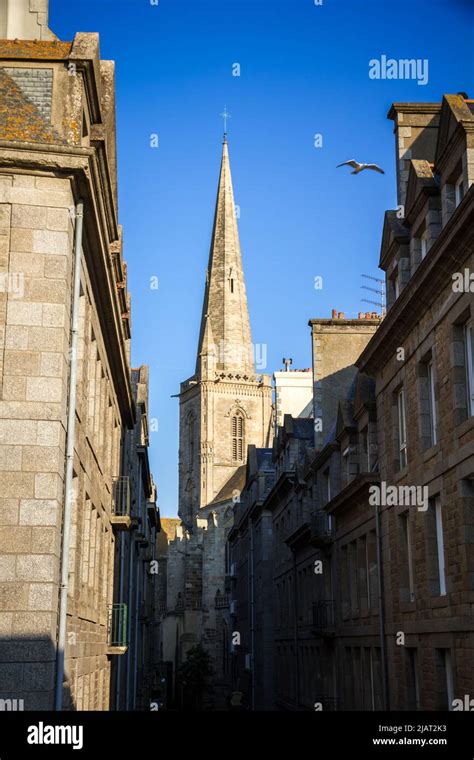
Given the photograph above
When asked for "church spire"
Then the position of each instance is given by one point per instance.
(225, 312)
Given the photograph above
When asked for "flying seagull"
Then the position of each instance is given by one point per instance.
(360, 167)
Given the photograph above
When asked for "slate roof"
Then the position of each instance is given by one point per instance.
(20, 119)
(235, 483)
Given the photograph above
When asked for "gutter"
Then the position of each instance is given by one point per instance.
(68, 480)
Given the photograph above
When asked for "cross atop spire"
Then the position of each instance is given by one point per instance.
(225, 115)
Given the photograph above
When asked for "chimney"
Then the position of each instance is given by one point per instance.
(416, 133)
(25, 20)
(340, 315)
(334, 314)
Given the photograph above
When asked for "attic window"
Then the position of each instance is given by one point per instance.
(459, 190)
(424, 244)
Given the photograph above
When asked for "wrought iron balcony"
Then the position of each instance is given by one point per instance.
(324, 617)
(121, 503)
(117, 629)
(322, 528)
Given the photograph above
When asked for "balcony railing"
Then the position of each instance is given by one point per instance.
(322, 528)
(121, 503)
(222, 600)
(324, 617)
(118, 628)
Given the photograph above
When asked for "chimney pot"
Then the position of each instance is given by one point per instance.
(334, 314)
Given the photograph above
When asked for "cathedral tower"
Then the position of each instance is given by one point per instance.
(226, 404)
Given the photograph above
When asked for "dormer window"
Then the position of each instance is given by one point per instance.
(395, 282)
(424, 244)
(459, 190)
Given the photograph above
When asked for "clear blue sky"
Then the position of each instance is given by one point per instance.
(304, 70)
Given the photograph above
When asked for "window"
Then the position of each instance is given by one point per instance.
(402, 429)
(424, 244)
(435, 548)
(413, 686)
(432, 402)
(444, 669)
(238, 437)
(345, 466)
(362, 573)
(469, 349)
(395, 281)
(407, 588)
(459, 190)
(365, 455)
(327, 484)
(372, 570)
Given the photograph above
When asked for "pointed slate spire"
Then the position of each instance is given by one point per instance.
(225, 298)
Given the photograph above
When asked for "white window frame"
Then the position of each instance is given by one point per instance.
(469, 351)
(432, 402)
(402, 429)
(440, 546)
(459, 189)
(424, 244)
(396, 281)
(327, 482)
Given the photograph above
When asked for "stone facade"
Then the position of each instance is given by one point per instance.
(373, 592)
(424, 353)
(58, 148)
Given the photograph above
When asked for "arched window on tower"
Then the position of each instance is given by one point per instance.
(238, 433)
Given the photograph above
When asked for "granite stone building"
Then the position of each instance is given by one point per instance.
(72, 412)
(371, 547)
(422, 361)
(278, 502)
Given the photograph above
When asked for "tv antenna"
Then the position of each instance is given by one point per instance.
(380, 292)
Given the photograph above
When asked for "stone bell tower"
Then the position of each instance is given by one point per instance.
(226, 404)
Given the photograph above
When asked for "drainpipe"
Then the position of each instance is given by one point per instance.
(118, 680)
(383, 650)
(131, 581)
(252, 612)
(295, 606)
(138, 589)
(68, 480)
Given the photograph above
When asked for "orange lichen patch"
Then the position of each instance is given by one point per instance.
(35, 49)
(20, 120)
